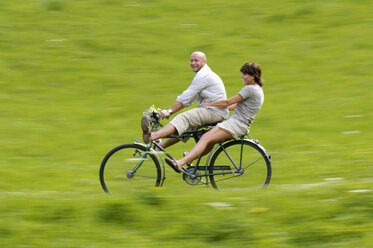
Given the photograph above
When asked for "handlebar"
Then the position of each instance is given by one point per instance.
(154, 118)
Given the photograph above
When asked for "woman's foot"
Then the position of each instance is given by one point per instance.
(145, 126)
(173, 164)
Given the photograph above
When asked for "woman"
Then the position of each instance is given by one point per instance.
(246, 105)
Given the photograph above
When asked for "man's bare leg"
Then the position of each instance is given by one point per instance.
(163, 132)
(168, 142)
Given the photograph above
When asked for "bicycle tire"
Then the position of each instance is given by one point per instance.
(116, 167)
(256, 167)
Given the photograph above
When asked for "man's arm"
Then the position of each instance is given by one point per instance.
(190, 94)
(185, 99)
(174, 108)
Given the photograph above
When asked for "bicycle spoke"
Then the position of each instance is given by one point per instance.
(134, 159)
(252, 163)
(144, 176)
(223, 179)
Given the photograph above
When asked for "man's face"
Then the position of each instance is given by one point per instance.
(197, 62)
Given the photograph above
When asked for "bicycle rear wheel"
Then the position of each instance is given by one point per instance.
(127, 166)
(240, 164)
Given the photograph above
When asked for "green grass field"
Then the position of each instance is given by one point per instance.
(77, 75)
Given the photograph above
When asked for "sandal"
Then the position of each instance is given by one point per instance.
(145, 126)
(172, 163)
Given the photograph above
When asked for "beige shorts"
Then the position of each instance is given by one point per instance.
(235, 127)
(194, 119)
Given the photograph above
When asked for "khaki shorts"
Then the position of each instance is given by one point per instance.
(235, 127)
(194, 119)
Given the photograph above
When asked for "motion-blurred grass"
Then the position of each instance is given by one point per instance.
(76, 76)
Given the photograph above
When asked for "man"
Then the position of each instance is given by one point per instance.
(206, 86)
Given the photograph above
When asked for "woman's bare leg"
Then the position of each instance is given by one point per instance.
(208, 149)
(205, 144)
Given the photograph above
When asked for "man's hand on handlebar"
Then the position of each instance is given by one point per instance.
(164, 114)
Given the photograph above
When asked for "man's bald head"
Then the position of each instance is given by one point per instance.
(200, 55)
(197, 60)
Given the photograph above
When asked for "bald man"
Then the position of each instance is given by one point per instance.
(206, 86)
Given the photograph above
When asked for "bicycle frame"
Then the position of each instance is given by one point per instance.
(221, 160)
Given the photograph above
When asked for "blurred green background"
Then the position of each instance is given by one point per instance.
(77, 75)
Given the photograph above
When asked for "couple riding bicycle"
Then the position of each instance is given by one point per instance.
(213, 107)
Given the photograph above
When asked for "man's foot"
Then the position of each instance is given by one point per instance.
(189, 163)
(172, 163)
(145, 126)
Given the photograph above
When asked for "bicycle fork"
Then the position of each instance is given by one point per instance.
(131, 173)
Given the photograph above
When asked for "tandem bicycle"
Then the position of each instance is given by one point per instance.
(235, 163)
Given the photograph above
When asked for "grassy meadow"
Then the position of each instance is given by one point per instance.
(75, 77)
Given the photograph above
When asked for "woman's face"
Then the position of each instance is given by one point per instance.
(247, 79)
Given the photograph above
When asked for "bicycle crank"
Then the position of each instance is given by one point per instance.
(191, 177)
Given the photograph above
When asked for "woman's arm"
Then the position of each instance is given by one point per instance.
(226, 103)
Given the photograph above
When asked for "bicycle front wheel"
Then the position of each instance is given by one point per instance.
(129, 165)
(240, 164)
